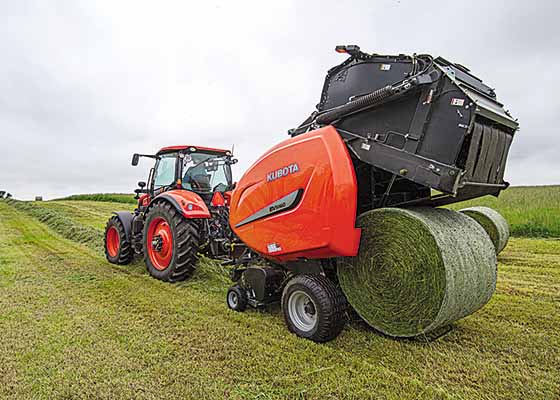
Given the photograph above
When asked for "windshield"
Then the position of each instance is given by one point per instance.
(206, 173)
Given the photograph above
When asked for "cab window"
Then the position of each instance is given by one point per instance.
(165, 171)
(205, 173)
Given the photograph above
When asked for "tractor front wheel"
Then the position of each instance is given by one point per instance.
(170, 243)
(117, 247)
(314, 308)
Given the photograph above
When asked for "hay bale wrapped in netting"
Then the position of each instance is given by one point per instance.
(493, 223)
(418, 269)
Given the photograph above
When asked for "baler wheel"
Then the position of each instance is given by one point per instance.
(314, 308)
(237, 298)
(117, 248)
(170, 243)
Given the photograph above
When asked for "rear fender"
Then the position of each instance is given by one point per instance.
(189, 204)
(126, 218)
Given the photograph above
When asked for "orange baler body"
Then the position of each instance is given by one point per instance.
(299, 200)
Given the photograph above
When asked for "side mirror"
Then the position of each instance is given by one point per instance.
(135, 159)
(142, 184)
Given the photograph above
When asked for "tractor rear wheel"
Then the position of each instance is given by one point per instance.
(117, 247)
(170, 243)
(314, 307)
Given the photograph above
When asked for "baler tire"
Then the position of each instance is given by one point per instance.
(241, 299)
(184, 244)
(118, 249)
(329, 305)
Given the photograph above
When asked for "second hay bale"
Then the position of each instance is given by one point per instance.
(493, 223)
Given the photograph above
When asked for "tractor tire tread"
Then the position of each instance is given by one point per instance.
(186, 243)
(126, 253)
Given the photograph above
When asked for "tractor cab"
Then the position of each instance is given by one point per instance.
(201, 170)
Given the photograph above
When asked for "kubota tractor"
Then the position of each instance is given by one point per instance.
(389, 131)
(182, 212)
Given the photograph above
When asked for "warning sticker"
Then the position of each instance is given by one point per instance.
(273, 247)
(457, 102)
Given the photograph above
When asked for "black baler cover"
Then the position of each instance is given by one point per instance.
(443, 128)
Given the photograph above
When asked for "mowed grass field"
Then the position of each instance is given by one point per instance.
(75, 326)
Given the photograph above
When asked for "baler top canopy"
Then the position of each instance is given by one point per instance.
(421, 119)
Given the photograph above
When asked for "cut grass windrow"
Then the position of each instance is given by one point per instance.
(66, 227)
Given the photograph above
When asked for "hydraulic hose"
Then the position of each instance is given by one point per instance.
(366, 101)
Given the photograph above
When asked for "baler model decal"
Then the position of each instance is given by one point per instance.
(273, 247)
(279, 173)
(282, 204)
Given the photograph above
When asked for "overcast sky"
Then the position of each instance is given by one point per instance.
(84, 84)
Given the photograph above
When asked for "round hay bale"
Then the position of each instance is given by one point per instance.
(493, 223)
(418, 269)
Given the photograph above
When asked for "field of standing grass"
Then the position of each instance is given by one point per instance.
(75, 326)
(110, 197)
(531, 211)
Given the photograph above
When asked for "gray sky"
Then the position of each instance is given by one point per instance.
(84, 84)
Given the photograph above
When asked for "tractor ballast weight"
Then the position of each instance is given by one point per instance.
(420, 123)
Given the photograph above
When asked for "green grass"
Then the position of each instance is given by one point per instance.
(86, 212)
(110, 197)
(75, 326)
(61, 223)
(81, 221)
(531, 211)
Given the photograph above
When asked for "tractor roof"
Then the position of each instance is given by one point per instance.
(186, 146)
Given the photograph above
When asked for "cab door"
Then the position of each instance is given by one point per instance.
(165, 173)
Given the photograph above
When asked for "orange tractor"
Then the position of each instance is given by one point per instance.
(389, 131)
